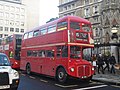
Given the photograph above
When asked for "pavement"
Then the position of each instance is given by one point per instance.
(108, 78)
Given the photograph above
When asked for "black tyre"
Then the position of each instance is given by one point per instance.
(15, 88)
(61, 75)
(28, 69)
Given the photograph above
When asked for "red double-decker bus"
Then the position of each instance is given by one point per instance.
(56, 49)
(11, 46)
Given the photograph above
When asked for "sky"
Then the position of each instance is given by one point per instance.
(48, 10)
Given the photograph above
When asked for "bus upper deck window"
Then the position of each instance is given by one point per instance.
(30, 34)
(36, 33)
(75, 25)
(86, 27)
(25, 35)
(62, 25)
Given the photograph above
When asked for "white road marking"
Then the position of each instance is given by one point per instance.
(93, 82)
(32, 77)
(66, 86)
(91, 87)
(23, 74)
(115, 86)
(43, 80)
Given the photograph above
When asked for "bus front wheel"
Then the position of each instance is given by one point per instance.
(28, 69)
(61, 75)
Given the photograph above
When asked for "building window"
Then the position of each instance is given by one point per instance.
(22, 23)
(87, 12)
(86, 2)
(69, 6)
(96, 19)
(6, 28)
(6, 22)
(6, 8)
(65, 8)
(22, 30)
(5, 35)
(73, 5)
(12, 23)
(22, 10)
(22, 17)
(17, 16)
(95, 0)
(95, 9)
(6, 15)
(12, 9)
(97, 32)
(17, 30)
(1, 28)
(17, 23)
(72, 13)
(11, 29)
(1, 35)
(1, 7)
(12, 15)
(17, 9)
(1, 14)
(1, 21)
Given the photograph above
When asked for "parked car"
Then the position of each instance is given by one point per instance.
(9, 78)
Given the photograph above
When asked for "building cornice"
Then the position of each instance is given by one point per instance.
(16, 2)
(67, 3)
(78, 7)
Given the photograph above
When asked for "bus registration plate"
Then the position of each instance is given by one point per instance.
(4, 86)
(84, 76)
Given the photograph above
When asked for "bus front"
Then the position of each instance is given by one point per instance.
(14, 48)
(18, 40)
(81, 38)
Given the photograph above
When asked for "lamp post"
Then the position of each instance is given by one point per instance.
(97, 43)
(114, 32)
(114, 37)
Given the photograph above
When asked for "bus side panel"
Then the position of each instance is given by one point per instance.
(51, 38)
(23, 60)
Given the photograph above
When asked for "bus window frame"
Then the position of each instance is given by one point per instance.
(72, 21)
(43, 29)
(36, 33)
(53, 27)
(30, 34)
(62, 27)
(83, 24)
(25, 36)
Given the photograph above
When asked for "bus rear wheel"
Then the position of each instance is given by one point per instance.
(28, 69)
(61, 75)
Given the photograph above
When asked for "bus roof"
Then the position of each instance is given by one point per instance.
(73, 18)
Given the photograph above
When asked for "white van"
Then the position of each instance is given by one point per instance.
(9, 78)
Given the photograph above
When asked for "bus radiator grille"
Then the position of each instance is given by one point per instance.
(84, 70)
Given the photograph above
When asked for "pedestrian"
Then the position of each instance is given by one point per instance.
(112, 63)
(106, 60)
(94, 60)
(100, 63)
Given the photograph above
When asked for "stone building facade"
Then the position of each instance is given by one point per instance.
(12, 17)
(103, 14)
(18, 16)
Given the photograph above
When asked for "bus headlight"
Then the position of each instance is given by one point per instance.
(93, 68)
(72, 69)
